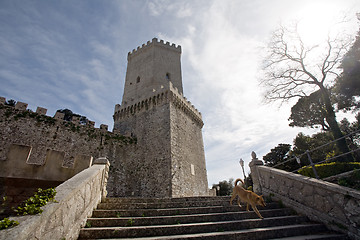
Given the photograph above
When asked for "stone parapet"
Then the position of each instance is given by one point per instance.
(154, 41)
(336, 206)
(41, 110)
(16, 165)
(2, 100)
(20, 106)
(76, 198)
(164, 94)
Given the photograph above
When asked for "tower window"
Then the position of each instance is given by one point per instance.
(138, 79)
(167, 76)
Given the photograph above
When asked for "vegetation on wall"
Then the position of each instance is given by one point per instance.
(68, 115)
(7, 223)
(19, 114)
(33, 205)
(12, 113)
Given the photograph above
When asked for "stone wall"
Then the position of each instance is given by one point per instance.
(75, 200)
(151, 65)
(169, 159)
(40, 148)
(336, 206)
(145, 170)
(188, 169)
(156, 149)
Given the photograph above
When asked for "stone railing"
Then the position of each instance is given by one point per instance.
(336, 206)
(76, 198)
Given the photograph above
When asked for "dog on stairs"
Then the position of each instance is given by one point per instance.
(249, 197)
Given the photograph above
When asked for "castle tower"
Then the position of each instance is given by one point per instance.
(169, 159)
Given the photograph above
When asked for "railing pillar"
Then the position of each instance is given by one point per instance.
(105, 176)
(255, 175)
(312, 164)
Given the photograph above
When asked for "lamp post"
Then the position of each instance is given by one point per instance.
(242, 166)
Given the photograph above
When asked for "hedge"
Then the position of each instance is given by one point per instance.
(329, 169)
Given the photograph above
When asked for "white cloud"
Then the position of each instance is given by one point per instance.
(62, 57)
(180, 9)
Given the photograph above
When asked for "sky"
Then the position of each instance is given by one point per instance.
(73, 54)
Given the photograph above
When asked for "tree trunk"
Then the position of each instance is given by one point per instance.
(334, 127)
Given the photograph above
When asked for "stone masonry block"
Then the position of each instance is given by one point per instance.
(2, 100)
(104, 127)
(59, 116)
(90, 123)
(21, 106)
(15, 164)
(82, 162)
(41, 110)
(75, 120)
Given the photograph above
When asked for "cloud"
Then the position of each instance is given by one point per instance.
(180, 9)
(60, 55)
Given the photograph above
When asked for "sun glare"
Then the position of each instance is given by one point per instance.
(318, 20)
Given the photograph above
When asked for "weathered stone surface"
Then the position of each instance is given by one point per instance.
(21, 106)
(35, 146)
(163, 155)
(2, 100)
(319, 200)
(169, 159)
(75, 201)
(41, 110)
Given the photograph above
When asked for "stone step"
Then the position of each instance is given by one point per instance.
(257, 234)
(197, 218)
(328, 236)
(162, 200)
(177, 219)
(123, 212)
(145, 205)
(190, 228)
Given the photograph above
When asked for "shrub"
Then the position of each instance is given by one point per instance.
(352, 181)
(7, 223)
(329, 169)
(33, 205)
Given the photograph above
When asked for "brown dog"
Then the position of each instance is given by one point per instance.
(247, 196)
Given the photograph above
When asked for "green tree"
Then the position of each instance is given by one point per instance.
(292, 71)
(353, 136)
(11, 103)
(303, 142)
(348, 83)
(68, 115)
(226, 187)
(309, 111)
(277, 155)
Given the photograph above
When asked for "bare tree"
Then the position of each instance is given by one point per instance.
(294, 70)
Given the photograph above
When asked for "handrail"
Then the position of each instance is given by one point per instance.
(317, 148)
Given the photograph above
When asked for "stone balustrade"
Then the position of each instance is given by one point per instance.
(336, 206)
(75, 200)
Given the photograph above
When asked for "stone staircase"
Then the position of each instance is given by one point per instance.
(197, 218)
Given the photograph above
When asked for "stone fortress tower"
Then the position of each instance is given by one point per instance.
(169, 153)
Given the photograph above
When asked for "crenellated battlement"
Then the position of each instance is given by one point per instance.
(162, 94)
(156, 42)
(36, 146)
(16, 165)
(20, 106)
